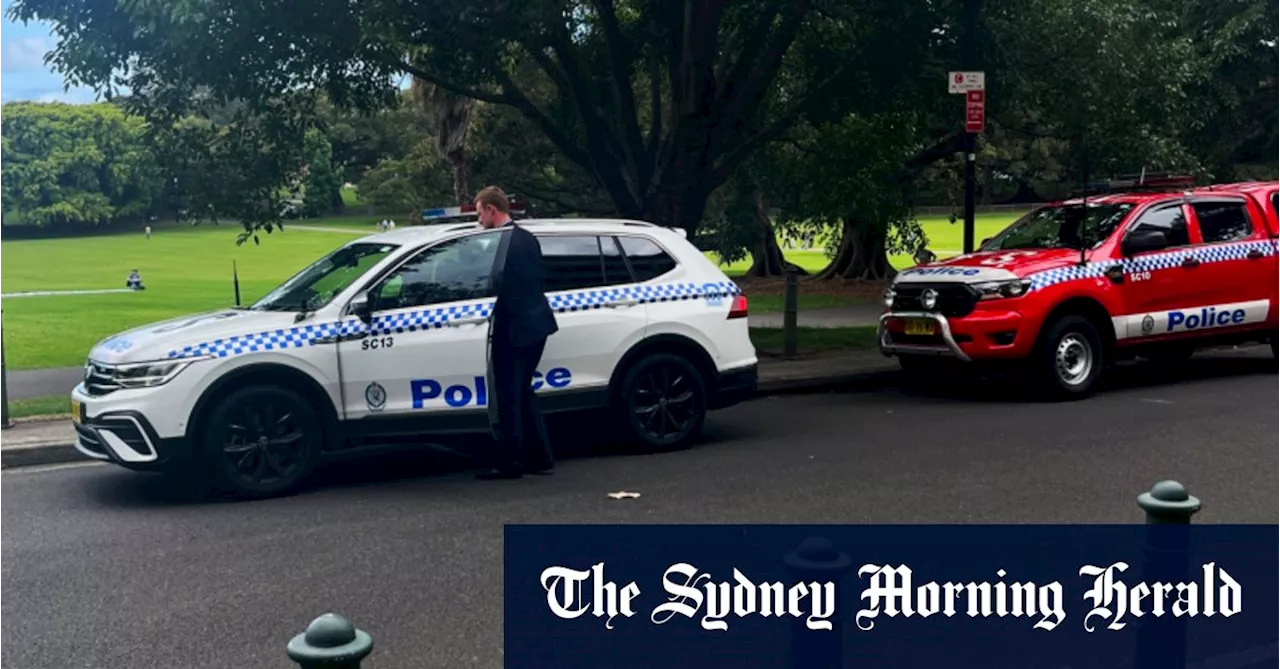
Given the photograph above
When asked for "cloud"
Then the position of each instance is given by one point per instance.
(25, 53)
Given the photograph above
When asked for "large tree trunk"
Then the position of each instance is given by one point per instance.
(461, 186)
(862, 254)
(767, 258)
(451, 114)
(678, 200)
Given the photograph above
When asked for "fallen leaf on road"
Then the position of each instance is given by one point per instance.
(622, 494)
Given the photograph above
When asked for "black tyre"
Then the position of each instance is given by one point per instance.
(662, 402)
(259, 441)
(1068, 360)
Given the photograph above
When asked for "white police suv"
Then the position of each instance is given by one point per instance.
(388, 336)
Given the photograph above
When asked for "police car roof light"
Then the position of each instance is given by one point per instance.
(441, 213)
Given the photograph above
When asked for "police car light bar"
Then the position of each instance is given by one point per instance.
(446, 213)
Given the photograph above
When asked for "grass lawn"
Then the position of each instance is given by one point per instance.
(188, 270)
(769, 341)
(52, 405)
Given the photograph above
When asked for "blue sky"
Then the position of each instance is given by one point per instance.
(23, 74)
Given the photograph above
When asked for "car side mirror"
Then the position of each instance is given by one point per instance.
(361, 307)
(924, 257)
(1140, 241)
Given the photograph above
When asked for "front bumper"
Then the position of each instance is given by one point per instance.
(980, 335)
(128, 439)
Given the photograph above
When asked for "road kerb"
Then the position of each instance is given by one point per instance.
(32, 455)
(62, 452)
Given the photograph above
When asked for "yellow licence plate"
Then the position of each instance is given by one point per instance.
(918, 326)
(77, 412)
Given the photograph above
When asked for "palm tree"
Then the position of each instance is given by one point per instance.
(451, 115)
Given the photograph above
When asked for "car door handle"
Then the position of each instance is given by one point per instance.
(1190, 262)
(333, 339)
(623, 303)
(475, 320)
(1254, 254)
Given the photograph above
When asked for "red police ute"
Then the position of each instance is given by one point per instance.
(1073, 286)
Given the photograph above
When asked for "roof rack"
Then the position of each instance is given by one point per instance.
(1137, 183)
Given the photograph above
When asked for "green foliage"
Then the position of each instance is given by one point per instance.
(853, 169)
(322, 181)
(409, 184)
(230, 162)
(572, 71)
(74, 165)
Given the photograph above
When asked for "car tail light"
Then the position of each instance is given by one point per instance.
(739, 308)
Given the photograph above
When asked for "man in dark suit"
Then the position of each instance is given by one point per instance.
(522, 322)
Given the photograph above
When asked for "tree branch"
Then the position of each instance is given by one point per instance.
(737, 156)
(621, 59)
(757, 37)
(554, 198)
(441, 82)
(601, 143)
(746, 96)
(933, 153)
(553, 132)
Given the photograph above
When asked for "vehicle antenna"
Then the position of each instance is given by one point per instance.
(1084, 206)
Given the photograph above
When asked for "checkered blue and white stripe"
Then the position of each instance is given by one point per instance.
(1153, 262)
(422, 319)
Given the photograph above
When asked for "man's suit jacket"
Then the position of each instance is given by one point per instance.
(522, 316)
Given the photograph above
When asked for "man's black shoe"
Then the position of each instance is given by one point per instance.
(496, 474)
(546, 470)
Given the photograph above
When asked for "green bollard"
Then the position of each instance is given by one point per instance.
(1162, 643)
(330, 642)
(1168, 503)
(817, 559)
(789, 315)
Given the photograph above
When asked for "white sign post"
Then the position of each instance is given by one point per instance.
(959, 83)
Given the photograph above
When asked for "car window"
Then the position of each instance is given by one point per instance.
(572, 262)
(451, 271)
(647, 259)
(1223, 221)
(1168, 219)
(615, 265)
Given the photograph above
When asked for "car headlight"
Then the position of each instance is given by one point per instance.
(148, 374)
(995, 290)
(888, 297)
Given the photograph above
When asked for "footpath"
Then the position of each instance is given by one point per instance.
(34, 441)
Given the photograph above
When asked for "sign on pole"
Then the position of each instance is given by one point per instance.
(975, 111)
(963, 82)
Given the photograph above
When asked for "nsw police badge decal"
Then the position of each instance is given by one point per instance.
(376, 396)
(1148, 324)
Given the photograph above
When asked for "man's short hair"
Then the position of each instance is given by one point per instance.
(494, 197)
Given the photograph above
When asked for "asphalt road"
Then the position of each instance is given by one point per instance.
(104, 568)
